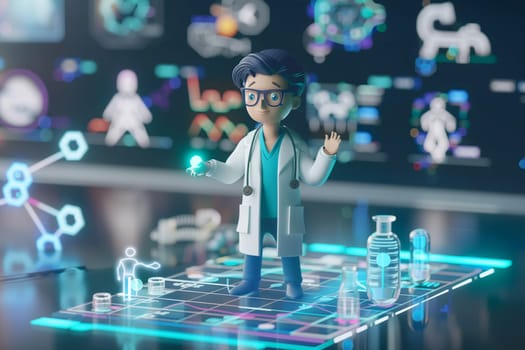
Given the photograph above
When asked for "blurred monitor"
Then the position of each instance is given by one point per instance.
(424, 93)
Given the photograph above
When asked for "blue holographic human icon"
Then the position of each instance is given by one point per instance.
(126, 273)
(419, 255)
(16, 193)
(383, 274)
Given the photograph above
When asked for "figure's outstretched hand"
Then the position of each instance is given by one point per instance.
(198, 168)
(331, 143)
(155, 265)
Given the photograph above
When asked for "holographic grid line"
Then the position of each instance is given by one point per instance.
(16, 192)
(192, 307)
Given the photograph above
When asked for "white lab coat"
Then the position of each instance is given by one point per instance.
(290, 212)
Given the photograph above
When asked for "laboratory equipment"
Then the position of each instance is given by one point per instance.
(383, 273)
(419, 255)
(348, 296)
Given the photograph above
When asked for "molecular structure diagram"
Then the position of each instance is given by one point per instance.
(19, 176)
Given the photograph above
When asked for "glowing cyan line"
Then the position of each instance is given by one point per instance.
(78, 326)
(405, 255)
(46, 161)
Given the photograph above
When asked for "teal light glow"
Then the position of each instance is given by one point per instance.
(405, 255)
(381, 81)
(88, 67)
(86, 327)
(195, 161)
(166, 71)
(54, 323)
(327, 248)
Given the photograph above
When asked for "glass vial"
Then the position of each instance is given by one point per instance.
(419, 256)
(383, 274)
(348, 296)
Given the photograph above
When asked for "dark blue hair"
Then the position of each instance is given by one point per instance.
(270, 62)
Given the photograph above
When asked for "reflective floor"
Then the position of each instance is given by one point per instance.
(486, 314)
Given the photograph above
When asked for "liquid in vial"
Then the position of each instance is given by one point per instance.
(383, 274)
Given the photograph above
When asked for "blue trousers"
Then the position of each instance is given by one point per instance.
(252, 263)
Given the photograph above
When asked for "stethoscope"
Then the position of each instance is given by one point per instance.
(294, 183)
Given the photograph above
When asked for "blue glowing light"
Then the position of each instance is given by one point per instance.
(195, 161)
(457, 96)
(368, 113)
(73, 145)
(362, 138)
(405, 255)
(78, 326)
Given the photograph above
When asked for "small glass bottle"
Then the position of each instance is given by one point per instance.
(419, 256)
(383, 274)
(348, 296)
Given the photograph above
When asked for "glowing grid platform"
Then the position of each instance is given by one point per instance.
(196, 305)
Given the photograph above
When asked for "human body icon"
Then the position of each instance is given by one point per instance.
(127, 112)
(126, 273)
(437, 121)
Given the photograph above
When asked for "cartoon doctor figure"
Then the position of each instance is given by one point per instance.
(273, 160)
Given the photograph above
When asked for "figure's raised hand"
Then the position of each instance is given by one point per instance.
(331, 143)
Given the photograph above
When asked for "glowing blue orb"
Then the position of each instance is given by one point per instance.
(136, 284)
(195, 161)
(383, 260)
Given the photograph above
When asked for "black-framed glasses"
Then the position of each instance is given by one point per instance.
(272, 97)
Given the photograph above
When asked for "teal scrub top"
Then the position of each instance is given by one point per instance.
(269, 175)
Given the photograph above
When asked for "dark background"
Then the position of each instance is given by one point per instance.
(497, 120)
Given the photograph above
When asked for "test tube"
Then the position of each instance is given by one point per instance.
(419, 255)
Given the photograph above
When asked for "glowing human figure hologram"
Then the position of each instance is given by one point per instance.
(126, 273)
(127, 112)
(437, 121)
